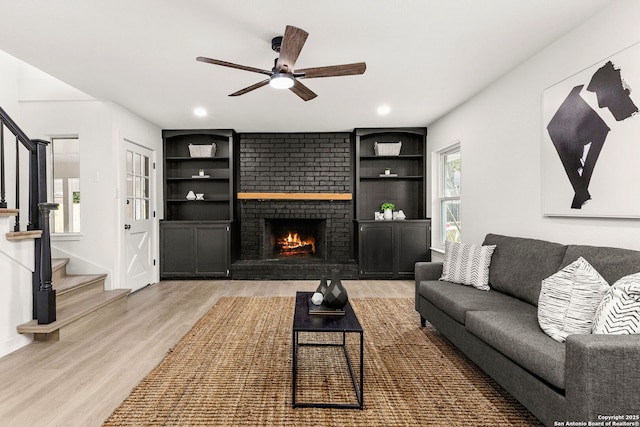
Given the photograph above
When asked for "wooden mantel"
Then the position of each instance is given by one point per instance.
(294, 196)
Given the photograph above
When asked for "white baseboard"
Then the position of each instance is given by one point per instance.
(15, 343)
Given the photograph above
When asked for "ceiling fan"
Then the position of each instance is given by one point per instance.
(283, 75)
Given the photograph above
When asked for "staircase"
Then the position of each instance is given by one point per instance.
(82, 303)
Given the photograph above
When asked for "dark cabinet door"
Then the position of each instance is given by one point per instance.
(376, 250)
(390, 249)
(194, 249)
(176, 250)
(412, 243)
(212, 250)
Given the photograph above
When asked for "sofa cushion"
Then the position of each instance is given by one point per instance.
(456, 300)
(611, 263)
(467, 264)
(519, 265)
(619, 311)
(569, 300)
(518, 336)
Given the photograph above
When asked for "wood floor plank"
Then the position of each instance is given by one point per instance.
(80, 381)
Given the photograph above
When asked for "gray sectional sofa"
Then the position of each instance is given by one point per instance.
(587, 378)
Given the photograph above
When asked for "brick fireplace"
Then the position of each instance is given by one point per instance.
(304, 164)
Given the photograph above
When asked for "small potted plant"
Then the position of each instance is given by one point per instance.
(387, 208)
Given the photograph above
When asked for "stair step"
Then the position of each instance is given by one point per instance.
(59, 268)
(86, 308)
(74, 286)
(58, 264)
(9, 212)
(24, 235)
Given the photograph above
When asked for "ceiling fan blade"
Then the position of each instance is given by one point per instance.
(232, 65)
(332, 70)
(250, 88)
(292, 43)
(302, 91)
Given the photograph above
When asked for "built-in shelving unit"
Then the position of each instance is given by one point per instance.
(186, 249)
(182, 176)
(388, 249)
(405, 187)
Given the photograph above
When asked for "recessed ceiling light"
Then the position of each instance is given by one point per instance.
(200, 112)
(383, 110)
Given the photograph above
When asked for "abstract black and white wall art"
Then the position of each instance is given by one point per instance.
(591, 141)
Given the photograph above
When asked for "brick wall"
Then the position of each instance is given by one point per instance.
(300, 163)
(296, 163)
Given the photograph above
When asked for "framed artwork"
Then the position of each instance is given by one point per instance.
(591, 141)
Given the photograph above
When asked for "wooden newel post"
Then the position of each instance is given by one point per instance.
(46, 296)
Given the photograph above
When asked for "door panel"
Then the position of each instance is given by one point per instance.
(412, 247)
(376, 249)
(177, 249)
(138, 221)
(212, 250)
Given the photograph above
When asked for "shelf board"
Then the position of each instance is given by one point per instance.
(209, 199)
(169, 158)
(382, 178)
(180, 178)
(401, 156)
(295, 196)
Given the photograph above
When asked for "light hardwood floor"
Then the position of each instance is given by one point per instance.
(80, 380)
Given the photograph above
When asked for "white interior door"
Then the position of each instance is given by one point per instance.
(138, 217)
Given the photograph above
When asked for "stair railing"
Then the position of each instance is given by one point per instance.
(35, 149)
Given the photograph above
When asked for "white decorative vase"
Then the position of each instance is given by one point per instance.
(388, 215)
(191, 195)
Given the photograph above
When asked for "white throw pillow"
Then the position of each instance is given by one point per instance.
(569, 300)
(619, 311)
(467, 264)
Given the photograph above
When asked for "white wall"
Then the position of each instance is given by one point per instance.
(100, 127)
(50, 108)
(500, 132)
(16, 258)
(44, 107)
(9, 67)
(16, 267)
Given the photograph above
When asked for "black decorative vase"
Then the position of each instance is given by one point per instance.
(322, 288)
(336, 295)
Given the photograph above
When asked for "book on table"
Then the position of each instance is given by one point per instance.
(322, 309)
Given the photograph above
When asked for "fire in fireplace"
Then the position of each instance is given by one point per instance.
(294, 238)
(292, 245)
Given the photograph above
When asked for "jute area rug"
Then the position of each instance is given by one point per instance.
(234, 369)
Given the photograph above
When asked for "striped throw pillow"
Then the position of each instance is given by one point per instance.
(619, 311)
(467, 264)
(569, 300)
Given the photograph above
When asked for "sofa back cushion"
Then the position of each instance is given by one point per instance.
(519, 265)
(611, 263)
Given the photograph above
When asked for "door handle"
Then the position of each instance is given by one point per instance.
(127, 226)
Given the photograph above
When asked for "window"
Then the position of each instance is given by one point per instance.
(66, 185)
(450, 170)
(137, 186)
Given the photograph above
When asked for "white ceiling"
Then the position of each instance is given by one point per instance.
(424, 57)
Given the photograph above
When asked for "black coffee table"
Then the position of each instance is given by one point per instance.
(348, 323)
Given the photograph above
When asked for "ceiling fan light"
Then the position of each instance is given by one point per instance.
(281, 81)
